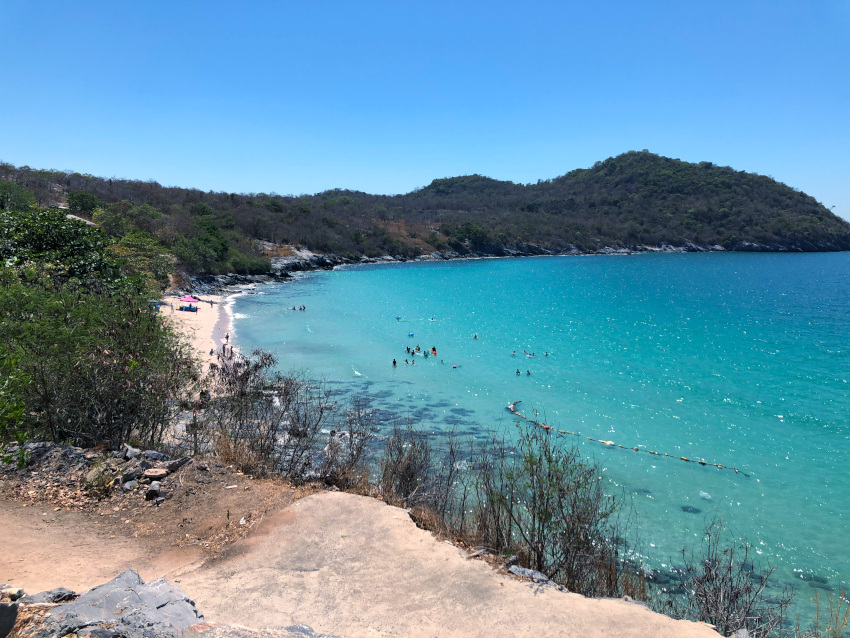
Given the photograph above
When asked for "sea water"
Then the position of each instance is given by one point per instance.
(739, 360)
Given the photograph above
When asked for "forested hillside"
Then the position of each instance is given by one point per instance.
(631, 201)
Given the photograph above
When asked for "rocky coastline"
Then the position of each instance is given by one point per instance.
(283, 268)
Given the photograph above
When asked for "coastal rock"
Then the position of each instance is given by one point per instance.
(153, 491)
(131, 452)
(8, 615)
(132, 474)
(178, 463)
(129, 486)
(124, 606)
(58, 595)
(12, 593)
(155, 473)
(153, 455)
(531, 574)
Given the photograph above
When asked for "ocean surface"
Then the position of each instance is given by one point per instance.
(740, 360)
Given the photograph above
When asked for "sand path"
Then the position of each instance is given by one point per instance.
(343, 564)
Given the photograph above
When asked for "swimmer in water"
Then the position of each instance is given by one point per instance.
(475, 336)
(394, 363)
(517, 371)
(528, 373)
(513, 354)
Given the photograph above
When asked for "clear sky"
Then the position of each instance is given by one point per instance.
(384, 96)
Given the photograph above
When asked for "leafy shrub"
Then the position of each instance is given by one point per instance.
(91, 368)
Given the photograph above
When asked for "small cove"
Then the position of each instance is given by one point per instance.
(736, 359)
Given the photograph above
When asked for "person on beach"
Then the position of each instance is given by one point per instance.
(226, 337)
(172, 307)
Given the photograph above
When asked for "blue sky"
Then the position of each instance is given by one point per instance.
(383, 97)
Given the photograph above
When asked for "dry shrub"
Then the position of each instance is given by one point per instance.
(344, 456)
(832, 623)
(541, 501)
(406, 467)
(724, 587)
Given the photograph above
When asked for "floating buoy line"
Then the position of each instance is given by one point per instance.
(513, 410)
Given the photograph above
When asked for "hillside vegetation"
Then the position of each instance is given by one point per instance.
(632, 201)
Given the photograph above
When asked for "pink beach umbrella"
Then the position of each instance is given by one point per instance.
(189, 299)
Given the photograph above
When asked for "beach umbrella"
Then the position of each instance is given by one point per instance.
(189, 299)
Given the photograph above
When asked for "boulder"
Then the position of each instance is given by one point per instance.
(153, 455)
(124, 606)
(129, 486)
(155, 474)
(8, 616)
(131, 452)
(58, 595)
(153, 491)
(531, 574)
(132, 474)
(11, 593)
(178, 463)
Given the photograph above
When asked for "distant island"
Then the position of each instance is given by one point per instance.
(637, 201)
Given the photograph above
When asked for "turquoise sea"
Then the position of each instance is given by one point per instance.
(737, 359)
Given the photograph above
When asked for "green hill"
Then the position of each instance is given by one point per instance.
(635, 201)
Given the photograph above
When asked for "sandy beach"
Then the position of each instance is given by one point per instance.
(206, 329)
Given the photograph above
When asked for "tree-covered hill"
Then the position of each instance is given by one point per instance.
(636, 200)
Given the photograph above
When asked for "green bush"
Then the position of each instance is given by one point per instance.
(90, 367)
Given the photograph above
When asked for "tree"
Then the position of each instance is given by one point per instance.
(15, 197)
(82, 203)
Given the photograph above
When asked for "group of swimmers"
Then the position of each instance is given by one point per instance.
(299, 308)
(425, 353)
(433, 352)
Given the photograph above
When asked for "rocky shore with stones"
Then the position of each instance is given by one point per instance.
(68, 476)
(283, 268)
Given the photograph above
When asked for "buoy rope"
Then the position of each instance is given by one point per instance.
(512, 408)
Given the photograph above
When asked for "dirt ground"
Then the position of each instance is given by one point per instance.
(259, 553)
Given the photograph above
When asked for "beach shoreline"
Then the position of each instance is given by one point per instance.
(208, 329)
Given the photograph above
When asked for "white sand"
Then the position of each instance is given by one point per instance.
(205, 329)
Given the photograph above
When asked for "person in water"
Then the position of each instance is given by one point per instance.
(475, 336)
(513, 354)
(528, 373)
(517, 371)
(394, 363)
